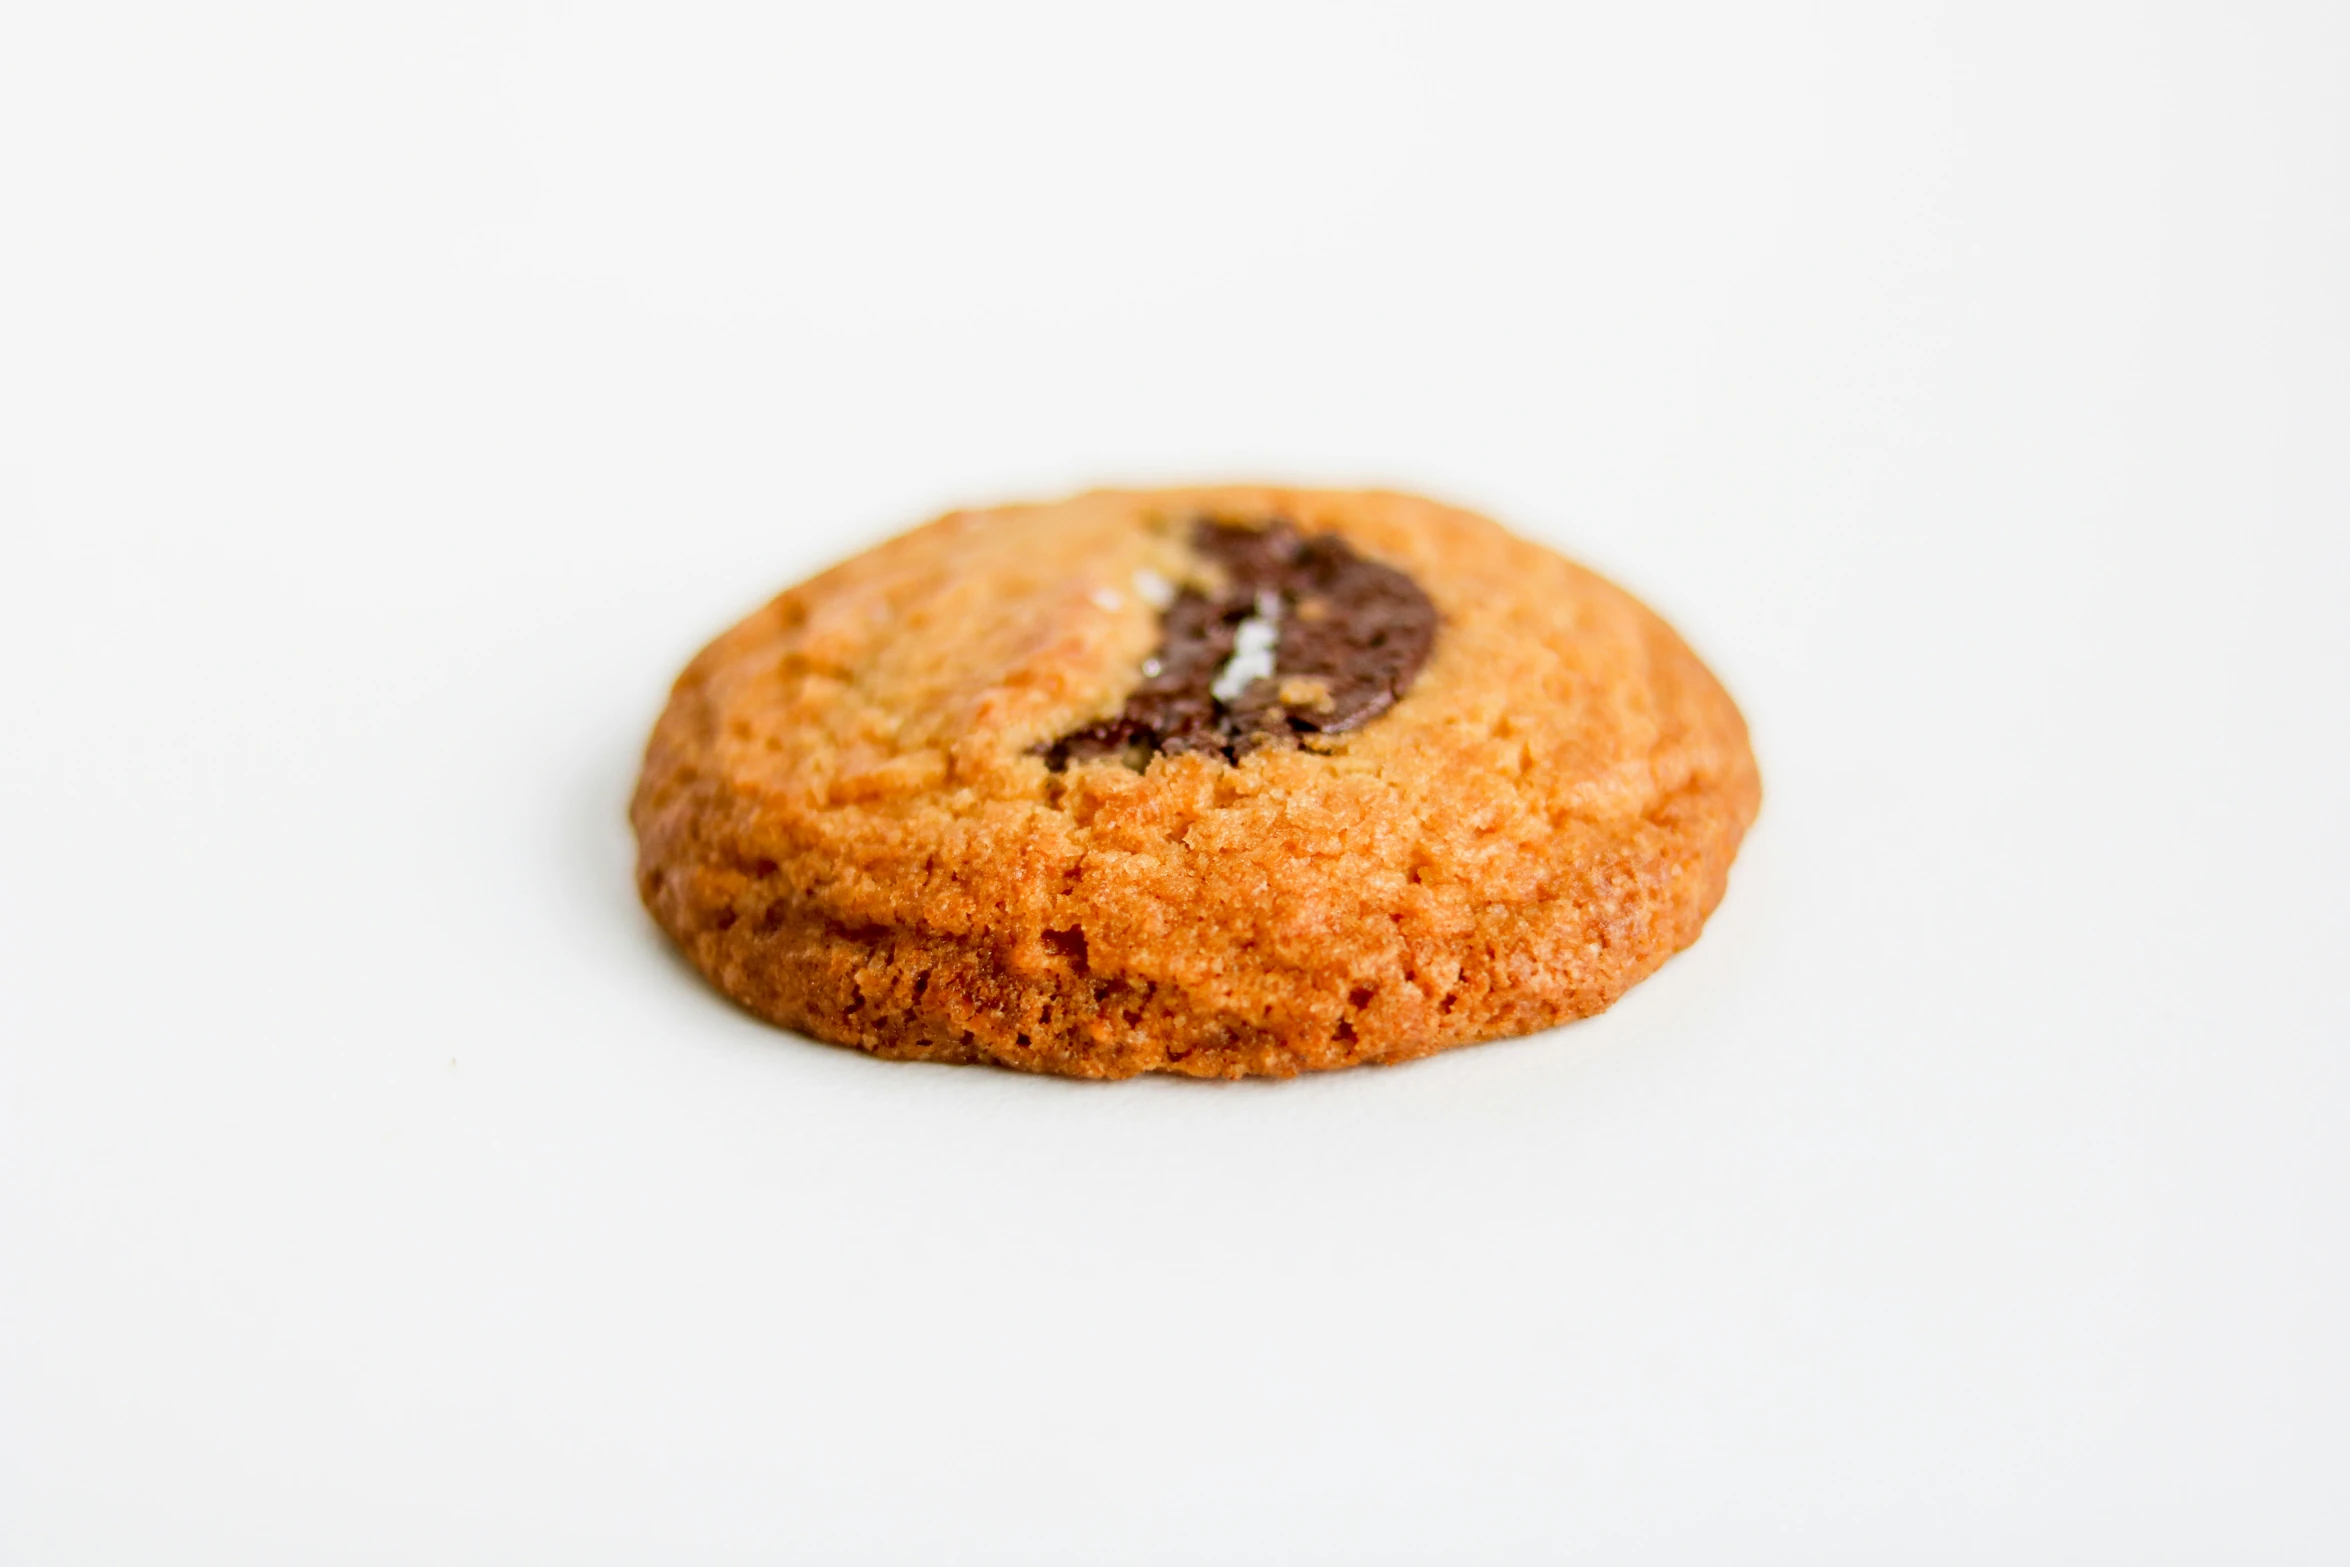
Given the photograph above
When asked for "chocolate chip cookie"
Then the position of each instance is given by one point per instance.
(1221, 781)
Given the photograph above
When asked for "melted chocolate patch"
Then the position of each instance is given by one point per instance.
(1346, 637)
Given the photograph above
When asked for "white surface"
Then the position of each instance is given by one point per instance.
(391, 401)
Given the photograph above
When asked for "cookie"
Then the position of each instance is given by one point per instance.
(1224, 782)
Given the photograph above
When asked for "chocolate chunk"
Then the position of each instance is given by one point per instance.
(1348, 635)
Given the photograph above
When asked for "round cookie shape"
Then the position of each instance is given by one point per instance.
(963, 797)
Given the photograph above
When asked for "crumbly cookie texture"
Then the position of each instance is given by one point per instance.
(851, 821)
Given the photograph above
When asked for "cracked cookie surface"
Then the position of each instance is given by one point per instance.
(851, 820)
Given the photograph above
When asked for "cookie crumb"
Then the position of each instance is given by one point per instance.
(1312, 694)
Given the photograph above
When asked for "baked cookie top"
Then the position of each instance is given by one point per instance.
(1221, 781)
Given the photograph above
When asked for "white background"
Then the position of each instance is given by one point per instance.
(391, 400)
